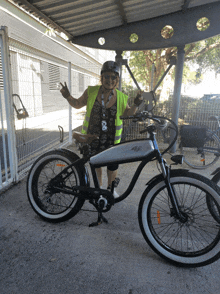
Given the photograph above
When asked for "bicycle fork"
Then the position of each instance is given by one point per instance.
(175, 210)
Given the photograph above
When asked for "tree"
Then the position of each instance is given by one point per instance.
(206, 54)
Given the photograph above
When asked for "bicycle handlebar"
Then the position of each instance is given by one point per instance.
(158, 119)
(145, 115)
(139, 116)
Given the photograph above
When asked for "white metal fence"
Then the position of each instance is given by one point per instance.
(33, 112)
(8, 156)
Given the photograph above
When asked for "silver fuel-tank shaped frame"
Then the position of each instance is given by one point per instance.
(139, 150)
(123, 153)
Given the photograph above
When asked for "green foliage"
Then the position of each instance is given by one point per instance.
(141, 64)
(205, 53)
(210, 59)
(203, 24)
(138, 67)
(192, 77)
(130, 91)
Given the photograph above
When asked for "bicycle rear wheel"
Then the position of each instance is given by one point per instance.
(53, 206)
(200, 158)
(196, 241)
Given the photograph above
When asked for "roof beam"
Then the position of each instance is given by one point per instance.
(121, 11)
(148, 32)
(185, 5)
(44, 18)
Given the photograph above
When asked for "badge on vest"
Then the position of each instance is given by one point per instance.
(104, 126)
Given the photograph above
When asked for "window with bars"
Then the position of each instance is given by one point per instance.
(54, 76)
(81, 82)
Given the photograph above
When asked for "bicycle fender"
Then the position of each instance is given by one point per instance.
(70, 153)
(153, 179)
(216, 171)
(172, 172)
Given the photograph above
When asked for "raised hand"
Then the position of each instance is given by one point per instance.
(64, 90)
(139, 98)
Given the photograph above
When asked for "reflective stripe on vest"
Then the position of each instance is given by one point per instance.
(121, 106)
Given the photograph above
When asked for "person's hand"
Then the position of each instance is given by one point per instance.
(91, 138)
(64, 90)
(139, 98)
(84, 138)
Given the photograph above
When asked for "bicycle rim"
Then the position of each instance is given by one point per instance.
(55, 206)
(193, 243)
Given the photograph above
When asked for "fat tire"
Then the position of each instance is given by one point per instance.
(214, 209)
(190, 253)
(71, 205)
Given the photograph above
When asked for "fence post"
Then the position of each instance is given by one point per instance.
(70, 107)
(7, 82)
(177, 87)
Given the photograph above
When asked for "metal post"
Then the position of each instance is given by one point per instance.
(177, 87)
(152, 77)
(7, 82)
(118, 59)
(70, 107)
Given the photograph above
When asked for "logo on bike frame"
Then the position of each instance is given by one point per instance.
(137, 148)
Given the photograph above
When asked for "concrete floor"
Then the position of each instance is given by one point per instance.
(70, 257)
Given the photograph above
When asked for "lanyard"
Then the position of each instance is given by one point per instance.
(104, 122)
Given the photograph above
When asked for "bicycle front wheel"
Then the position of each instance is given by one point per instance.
(214, 209)
(53, 206)
(193, 242)
(200, 158)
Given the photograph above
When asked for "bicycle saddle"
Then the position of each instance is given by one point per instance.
(84, 138)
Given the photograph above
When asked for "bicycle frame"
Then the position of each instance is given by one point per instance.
(94, 193)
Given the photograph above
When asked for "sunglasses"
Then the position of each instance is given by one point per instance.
(113, 77)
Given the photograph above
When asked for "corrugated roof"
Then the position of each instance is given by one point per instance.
(86, 17)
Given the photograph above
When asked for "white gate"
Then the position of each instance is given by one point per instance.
(29, 78)
(8, 157)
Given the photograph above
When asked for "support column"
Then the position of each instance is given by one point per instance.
(118, 59)
(177, 87)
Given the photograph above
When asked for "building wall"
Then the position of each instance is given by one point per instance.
(38, 63)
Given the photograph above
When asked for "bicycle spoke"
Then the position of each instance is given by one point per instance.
(200, 229)
(56, 202)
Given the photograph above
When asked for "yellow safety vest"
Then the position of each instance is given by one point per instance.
(121, 106)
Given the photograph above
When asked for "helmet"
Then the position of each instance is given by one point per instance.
(110, 66)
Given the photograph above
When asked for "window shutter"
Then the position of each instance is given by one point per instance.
(54, 76)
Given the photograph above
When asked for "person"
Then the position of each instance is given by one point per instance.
(105, 104)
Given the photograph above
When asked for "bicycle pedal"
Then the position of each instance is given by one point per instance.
(116, 182)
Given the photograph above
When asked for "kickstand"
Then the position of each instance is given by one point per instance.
(101, 218)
